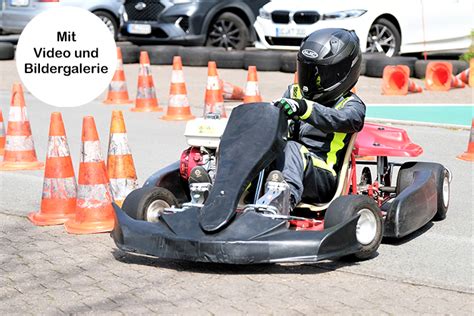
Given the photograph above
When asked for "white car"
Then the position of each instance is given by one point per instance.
(392, 27)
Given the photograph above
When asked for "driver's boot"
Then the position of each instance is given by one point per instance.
(277, 193)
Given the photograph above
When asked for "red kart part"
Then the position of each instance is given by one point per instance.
(190, 158)
(378, 140)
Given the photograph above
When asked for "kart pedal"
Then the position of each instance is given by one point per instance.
(199, 175)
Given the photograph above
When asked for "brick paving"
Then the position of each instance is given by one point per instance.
(43, 270)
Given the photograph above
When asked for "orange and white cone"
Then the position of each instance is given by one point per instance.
(252, 93)
(464, 76)
(213, 99)
(120, 166)
(295, 78)
(94, 211)
(457, 83)
(118, 93)
(20, 153)
(468, 155)
(58, 202)
(2, 136)
(231, 92)
(146, 100)
(413, 87)
(178, 104)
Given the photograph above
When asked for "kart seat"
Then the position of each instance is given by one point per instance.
(342, 180)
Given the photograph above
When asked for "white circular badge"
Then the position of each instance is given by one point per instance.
(66, 56)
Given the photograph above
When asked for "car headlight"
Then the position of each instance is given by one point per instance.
(264, 14)
(338, 15)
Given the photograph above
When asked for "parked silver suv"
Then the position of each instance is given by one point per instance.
(15, 14)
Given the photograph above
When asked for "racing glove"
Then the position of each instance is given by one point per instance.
(293, 109)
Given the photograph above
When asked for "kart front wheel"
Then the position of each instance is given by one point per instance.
(147, 204)
(369, 225)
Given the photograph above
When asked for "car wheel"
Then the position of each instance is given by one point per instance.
(228, 31)
(109, 21)
(383, 37)
(147, 204)
(369, 231)
(7, 51)
(442, 180)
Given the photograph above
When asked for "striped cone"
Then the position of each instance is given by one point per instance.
(2, 136)
(94, 211)
(146, 100)
(457, 83)
(120, 166)
(438, 76)
(213, 99)
(58, 202)
(178, 104)
(231, 92)
(252, 93)
(464, 76)
(20, 151)
(118, 93)
(413, 87)
(295, 78)
(468, 155)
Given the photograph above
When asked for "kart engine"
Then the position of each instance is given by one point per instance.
(197, 156)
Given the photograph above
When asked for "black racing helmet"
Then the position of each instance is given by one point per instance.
(329, 62)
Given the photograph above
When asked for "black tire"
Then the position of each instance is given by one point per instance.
(228, 59)
(196, 56)
(288, 62)
(264, 60)
(130, 54)
(420, 66)
(345, 207)
(405, 179)
(390, 28)
(109, 21)
(161, 55)
(363, 65)
(137, 203)
(239, 37)
(7, 51)
(375, 64)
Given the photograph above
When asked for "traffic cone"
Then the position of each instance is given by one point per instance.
(213, 99)
(146, 100)
(20, 151)
(2, 136)
(438, 76)
(413, 87)
(58, 202)
(457, 83)
(94, 211)
(252, 93)
(118, 93)
(231, 92)
(120, 166)
(471, 73)
(468, 155)
(178, 105)
(464, 76)
(295, 78)
(354, 90)
(395, 80)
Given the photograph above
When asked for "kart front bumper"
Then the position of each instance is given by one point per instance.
(249, 239)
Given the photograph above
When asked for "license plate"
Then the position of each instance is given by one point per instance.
(139, 28)
(290, 32)
(19, 3)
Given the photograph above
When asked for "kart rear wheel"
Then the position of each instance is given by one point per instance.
(442, 180)
(369, 231)
(147, 204)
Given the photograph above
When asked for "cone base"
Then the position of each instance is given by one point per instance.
(185, 117)
(12, 166)
(157, 109)
(40, 219)
(82, 228)
(466, 156)
(118, 102)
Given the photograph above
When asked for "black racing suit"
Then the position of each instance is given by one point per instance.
(317, 144)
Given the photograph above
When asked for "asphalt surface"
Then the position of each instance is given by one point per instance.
(45, 270)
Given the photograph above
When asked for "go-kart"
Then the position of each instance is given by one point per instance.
(226, 220)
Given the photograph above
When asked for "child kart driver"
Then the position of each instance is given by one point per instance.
(324, 114)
